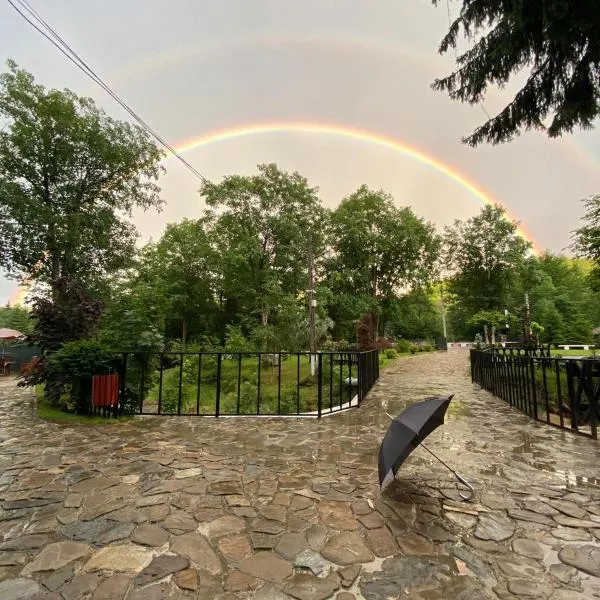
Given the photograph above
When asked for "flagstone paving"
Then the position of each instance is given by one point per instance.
(182, 508)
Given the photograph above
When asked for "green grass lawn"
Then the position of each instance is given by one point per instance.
(298, 393)
(54, 415)
(561, 352)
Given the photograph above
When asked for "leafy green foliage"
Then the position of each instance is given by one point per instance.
(69, 175)
(484, 256)
(69, 371)
(261, 228)
(587, 237)
(403, 346)
(73, 317)
(379, 248)
(82, 358)
(556, 40)
(562, 300)
(16, 317)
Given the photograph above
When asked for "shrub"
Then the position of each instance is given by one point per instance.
(414, 348)
(235, 340)
(428, 347)
(69, 373)
(391, 353)
(403, 346)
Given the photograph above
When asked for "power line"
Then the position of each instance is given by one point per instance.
(57, 41)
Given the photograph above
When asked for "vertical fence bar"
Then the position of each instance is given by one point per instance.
(198, 383)
(279, 383)
(520, 383)
(593, 400)
(559, 393)
(160, 382)
(142, 383)
(180, 390)
(341, 378)
(239, 384)
(545, 364)
(298, 385)
(571, 368)
(514, 379)
(218, 390)
(361, 362)
(350, 388)
(258, 386)
(331, 382)
(534, 389)
(319, 385)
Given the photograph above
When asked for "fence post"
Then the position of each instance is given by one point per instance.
(142, 381)
(361, 363)
(160, 383)
(534, 389)
(472, 357)
(573, 370)
(218, 393)
(320, 385)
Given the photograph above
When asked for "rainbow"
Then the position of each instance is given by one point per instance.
(168, 57)
(19, 296)
(362, 135)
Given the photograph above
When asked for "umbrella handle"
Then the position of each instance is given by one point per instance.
(462, 480)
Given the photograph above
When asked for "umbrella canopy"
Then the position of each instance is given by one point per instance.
(10, 334)
(407, 431)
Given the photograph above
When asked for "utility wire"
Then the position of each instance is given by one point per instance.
(56, 40)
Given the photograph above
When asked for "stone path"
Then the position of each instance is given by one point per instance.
(181, 508)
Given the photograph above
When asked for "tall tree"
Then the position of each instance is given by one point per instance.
(562, 298)
(263, 225)
(379, 248)
(557, 41)
(483, 258)
(186, 263)
(69, 177)
(587, 238)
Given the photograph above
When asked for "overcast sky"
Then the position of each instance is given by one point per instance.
(189, 68)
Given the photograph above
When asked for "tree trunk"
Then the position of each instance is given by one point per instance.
(264, 318)
(493, 335)
(485, 335)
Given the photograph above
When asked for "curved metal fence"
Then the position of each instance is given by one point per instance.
(219, 384)
(564, 392)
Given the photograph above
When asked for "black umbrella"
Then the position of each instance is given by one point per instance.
(408, 431)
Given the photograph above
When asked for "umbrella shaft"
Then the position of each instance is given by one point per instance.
(437, 458)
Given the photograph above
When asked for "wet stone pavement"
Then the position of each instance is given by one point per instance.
(182, 508)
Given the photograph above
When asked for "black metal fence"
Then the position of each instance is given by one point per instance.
(564, 392)
(245, 383)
